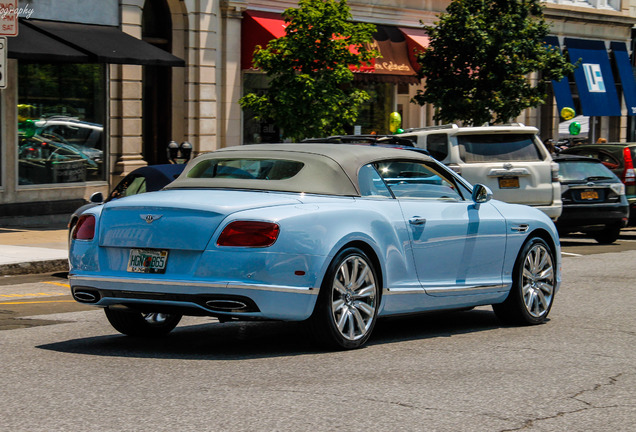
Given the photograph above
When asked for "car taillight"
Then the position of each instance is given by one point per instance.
(85, 228)
(629, 176)
(555, 171)
(249, 234)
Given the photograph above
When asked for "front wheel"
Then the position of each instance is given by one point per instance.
(347, 306)
(534, 284)
(140, 324)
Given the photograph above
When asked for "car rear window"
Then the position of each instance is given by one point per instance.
(584, 171)
(498, 148)
(254, 169)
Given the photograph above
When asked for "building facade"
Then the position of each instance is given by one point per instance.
(96, 89)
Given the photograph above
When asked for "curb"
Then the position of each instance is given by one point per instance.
(47, 266)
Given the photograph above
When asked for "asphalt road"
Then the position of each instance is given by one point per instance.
(65, 368)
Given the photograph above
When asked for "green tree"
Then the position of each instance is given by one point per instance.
(480, 58)
(310, 93)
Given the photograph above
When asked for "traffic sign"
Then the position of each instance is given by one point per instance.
(9, 18)
(3, 62)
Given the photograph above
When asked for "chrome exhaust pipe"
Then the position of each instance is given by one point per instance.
(226, 305)
(86, 296)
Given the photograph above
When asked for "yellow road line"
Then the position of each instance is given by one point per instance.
(59, 284)
(36, 302)
(46, 294)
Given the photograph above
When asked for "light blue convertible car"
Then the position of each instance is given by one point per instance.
(332, 234)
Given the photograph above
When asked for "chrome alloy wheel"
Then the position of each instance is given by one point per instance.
(353, 301)
(538, 281)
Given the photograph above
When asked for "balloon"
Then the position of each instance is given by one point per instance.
(400, 130)
(568, 113)
(395, 121)
(575, 128)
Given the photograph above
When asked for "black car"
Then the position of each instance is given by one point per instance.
(594, 200)
(619, 158)
(145, 179)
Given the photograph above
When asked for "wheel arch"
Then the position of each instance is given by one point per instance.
(544, 235)
(373, 256)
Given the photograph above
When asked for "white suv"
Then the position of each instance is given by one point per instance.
(511, 160)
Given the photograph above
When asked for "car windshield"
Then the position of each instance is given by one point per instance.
(584, 171)
(498, 148)
(259, 169)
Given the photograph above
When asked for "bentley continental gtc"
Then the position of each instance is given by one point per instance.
(335, 235)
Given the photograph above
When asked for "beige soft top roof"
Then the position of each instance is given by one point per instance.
(329, 169)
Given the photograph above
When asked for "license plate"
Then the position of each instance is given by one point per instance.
(147, 261)
(508, 182)
(589, 195)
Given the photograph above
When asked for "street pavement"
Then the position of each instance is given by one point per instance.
(33, 249)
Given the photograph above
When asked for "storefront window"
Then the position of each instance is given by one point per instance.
(61, 117)
(374, 115)
(256, 131)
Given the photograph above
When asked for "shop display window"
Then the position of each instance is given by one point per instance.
(61, 118)
(373, 116)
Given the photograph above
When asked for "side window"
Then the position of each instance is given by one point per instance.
(437, 146)
(371, 184)
(417, 180)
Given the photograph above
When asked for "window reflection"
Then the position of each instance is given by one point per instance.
(61, 113)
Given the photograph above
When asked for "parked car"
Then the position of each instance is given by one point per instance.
(72, 130)
(145, 179)
(43, 160)
(619, 158)
(510, 159)
(593, 198)
(335, 235)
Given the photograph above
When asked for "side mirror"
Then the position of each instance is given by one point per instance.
(97, 198)
(481, 194)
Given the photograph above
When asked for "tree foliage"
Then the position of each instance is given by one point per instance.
(480, 57)
(309, 93)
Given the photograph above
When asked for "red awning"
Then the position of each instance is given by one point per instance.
(259, 28)
(416, 41)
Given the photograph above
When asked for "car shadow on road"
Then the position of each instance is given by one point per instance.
(248, 340)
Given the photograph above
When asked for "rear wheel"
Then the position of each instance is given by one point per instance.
(609, 234)
(348, 302)
(133, 323)
(533, 288)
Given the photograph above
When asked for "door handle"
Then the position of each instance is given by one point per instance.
(416, 220)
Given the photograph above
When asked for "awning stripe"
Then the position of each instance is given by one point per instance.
(594, 79)
(626, 73)
(416, 41)
(561, 88)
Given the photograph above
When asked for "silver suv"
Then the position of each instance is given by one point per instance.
(511, 160)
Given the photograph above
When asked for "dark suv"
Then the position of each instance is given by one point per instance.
(619, 158)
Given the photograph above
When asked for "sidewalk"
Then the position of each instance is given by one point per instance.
(26, 250)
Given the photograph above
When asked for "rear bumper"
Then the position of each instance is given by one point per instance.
(213, 299)
(575, 215)
(553, 211)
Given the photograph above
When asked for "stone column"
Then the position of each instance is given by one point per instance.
(125, 101)
(230, 125)
(201, 90)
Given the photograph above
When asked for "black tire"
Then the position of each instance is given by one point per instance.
(347, 306)
(533, 286)
(608, 235)
(133, 323)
